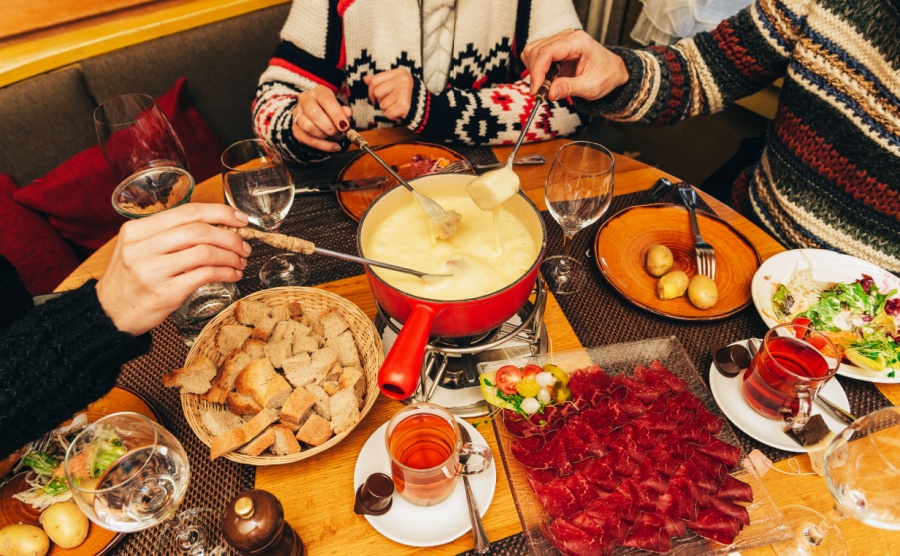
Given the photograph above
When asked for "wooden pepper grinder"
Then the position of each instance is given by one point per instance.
(254, 524)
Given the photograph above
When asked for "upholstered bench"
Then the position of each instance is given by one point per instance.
(54, 190)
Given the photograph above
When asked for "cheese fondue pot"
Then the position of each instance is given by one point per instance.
(422, 317)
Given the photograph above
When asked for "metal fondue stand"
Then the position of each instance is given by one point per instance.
(449, 372)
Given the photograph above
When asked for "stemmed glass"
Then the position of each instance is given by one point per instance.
(578, 191)
(148, 161)
(862, 469)
(128, 474)
(258, 183)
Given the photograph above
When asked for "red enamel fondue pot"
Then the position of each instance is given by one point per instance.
(422, 317)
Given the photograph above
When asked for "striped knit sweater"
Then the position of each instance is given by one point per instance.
(829, 176)
(335, 43)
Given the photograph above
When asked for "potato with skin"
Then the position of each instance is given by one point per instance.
(23, 540)
(659, 260)
(672, 285)
(65, 524)
(702, 292)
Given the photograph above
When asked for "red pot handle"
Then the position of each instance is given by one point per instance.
(398, 377)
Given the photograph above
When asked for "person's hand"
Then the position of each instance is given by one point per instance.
(161, 259)
(587, 69)
(319, 119)
(391, 91)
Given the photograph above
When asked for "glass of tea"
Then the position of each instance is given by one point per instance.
(425, 446)
(788, 371)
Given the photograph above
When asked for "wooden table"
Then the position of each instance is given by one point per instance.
(318, 492)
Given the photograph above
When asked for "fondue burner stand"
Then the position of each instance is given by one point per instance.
(450, 368)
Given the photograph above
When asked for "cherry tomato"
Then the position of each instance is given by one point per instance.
(507, 377)
(531, 370)
(800, 321)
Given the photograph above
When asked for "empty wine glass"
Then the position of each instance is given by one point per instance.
(578, 191)
(128, 473)
(151, 167)
(862, 469)
(258, 183)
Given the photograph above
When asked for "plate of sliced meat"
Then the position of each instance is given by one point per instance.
(639, 459)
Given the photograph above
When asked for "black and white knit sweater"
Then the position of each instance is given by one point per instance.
(55, 360)
(335, 43)
(830, 174)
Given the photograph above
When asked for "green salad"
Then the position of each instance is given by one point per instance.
(859, 319)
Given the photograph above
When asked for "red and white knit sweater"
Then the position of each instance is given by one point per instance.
(829, 177)
(335, 43)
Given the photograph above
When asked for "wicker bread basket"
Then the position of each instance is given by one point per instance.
(368, 342)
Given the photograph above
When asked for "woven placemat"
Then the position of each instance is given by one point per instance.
(600, 316)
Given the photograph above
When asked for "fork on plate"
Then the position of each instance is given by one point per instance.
(706, 255)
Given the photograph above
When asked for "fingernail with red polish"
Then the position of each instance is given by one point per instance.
(343, 125)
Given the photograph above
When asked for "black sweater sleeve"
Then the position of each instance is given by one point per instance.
(57, 359)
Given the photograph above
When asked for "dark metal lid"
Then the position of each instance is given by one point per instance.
(375, 496)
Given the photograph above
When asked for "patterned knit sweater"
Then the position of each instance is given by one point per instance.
(829, 176)
(336, 42)
(55, 360)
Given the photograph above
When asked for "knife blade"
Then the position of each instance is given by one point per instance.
(345, 185)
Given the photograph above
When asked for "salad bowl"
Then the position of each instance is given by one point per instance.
(825, 268)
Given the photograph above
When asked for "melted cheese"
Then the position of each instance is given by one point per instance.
(404, 239)
(492, 189)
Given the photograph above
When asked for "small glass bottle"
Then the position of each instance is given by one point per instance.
(254, 524)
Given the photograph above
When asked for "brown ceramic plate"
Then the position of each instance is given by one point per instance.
(355, 203)
(621, 247)
(99, 540)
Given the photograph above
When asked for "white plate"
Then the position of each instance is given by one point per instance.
(827, 266)
(727, 392)
(413, 525)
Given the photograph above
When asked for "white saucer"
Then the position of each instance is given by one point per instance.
(413, 525)
(727, 392)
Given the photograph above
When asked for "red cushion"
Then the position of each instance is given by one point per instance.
(76, 195)
(41, 256)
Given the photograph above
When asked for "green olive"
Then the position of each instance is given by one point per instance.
(659, 260)
(703, 292)
(672, 285)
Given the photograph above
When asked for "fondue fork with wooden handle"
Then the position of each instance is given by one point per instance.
(298, 245)
(444, 223)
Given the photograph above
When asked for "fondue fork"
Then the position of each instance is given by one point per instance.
(298, 245)
(443, 223)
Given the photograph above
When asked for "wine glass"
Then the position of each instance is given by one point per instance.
(578, 191)
(862, 469)
(258, 183)
(128, 473)
(150, 165)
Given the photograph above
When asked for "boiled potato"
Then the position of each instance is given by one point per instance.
(672, 285)
(702, 292)
(65, 524)
(659, 260)
(23, 540)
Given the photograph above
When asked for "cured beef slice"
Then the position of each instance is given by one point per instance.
(715, 525)
(574, 444)
(731, 509)
(556, 498)
(735, 490)
(676, 384)
(569, 539)
(541, 475)
(602, 476)
(650, 534)
(581, 489)
(720, 451)
(586, 382)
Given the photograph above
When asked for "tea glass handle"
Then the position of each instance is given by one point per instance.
(469, 449)
(804, 399)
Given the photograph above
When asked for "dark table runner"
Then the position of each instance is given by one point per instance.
(319, 218)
